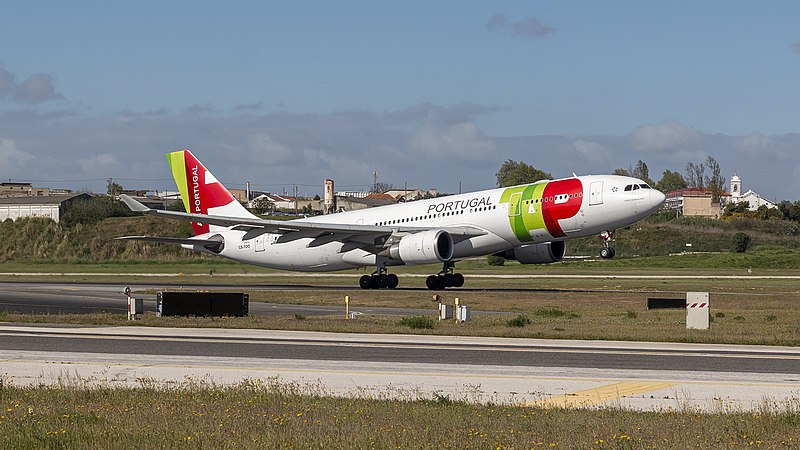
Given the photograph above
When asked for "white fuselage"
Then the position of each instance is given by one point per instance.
(603, 204)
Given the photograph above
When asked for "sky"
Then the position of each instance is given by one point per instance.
(428, 94)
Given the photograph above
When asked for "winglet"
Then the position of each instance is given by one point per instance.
(133, 204)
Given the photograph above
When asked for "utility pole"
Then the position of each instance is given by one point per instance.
(375, 181)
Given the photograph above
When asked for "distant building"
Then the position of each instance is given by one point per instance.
(411, 194)
(11, 189)
(693, 202)
(754, 199)
(354, 203)
(51, 206)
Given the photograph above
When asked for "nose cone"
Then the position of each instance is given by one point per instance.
(657, 199)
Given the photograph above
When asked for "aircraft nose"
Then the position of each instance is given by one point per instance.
(657, 199)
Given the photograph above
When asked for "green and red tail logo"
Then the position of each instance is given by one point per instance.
(200, 190)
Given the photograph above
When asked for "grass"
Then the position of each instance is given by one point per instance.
(417, 322)
(271, 414)
(519, 321)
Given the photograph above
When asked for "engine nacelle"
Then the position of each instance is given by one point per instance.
(544, 253)
(425, 247)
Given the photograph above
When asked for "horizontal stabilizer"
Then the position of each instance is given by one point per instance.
(210, 244)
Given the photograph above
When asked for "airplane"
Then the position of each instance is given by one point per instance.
(529, 223)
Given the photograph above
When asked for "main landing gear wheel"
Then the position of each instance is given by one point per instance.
(379, 281)
(445, 279)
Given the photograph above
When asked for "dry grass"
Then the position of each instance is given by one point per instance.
(760, 318)
(271, 414)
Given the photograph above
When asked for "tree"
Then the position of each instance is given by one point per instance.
(113, 188)
(262, 206)
(790, 210)
(641, 172)
(695, 175)
(671, 181)
(512, 173)
(381, 187)
(621, 172)
(715, 183)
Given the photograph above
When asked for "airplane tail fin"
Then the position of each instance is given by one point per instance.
(201, 192)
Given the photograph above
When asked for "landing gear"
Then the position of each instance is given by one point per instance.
(379, 280)
(607, 252)
(445, 279)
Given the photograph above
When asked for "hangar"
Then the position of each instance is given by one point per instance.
(51, 206)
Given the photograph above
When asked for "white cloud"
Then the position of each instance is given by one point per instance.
(461, 140)
(7, 82)
(37, 88)
(667, 135)
(425, 145)
(592, 151)
(530, 27)
(10, 155)
(266, 150)
(97, 162)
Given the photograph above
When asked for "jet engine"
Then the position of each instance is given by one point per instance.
(544, 253)
(215, 245)
(425, 247)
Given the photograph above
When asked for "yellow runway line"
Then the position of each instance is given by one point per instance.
(596, 396)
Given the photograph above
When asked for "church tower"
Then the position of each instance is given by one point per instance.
(736, 187)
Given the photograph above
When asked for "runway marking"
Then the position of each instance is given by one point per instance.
(596, 396)
(426, 346)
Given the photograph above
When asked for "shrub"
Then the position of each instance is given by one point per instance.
(417, 322)
(740, 242)
(631, 314)
(494, 260)
(719, 314)
(771, 318)
(298, 316)
(519, 321)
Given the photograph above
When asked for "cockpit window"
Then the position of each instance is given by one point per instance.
(628, 187)
(644, 186)
(635, 187)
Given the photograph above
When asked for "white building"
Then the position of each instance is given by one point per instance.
(50, 206)
(755, 199)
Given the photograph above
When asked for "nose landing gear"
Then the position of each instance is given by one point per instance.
(607, 252)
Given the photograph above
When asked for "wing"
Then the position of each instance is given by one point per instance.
(370, 237)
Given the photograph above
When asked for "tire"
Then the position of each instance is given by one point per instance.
(393, 281)
(432, 282)
(613, 252)
(458, 280)
(448, 280)
(382, 281)
(605, 253)
(365, 282)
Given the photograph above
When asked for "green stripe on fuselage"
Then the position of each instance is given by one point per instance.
(177, 163)
(530, 210)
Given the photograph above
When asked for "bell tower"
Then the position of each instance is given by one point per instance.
(736, 187)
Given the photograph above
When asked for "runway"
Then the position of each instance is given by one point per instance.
(646, 376)
(86, 298)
